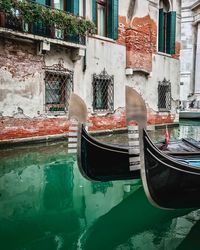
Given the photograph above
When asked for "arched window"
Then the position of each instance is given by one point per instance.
(167, 28)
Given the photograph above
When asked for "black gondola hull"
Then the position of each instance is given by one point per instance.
(103, 162)
(169, 183)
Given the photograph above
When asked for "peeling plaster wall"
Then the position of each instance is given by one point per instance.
(139, 36)
(22, 95)
(21, 78)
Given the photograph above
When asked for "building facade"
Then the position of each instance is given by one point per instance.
(137, 43)
(190, 52)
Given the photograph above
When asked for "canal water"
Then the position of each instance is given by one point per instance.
(45, 204)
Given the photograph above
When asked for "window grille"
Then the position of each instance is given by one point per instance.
(103, 92)
(58, 87)
(164, 95)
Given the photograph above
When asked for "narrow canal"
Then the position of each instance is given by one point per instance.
(45, 204)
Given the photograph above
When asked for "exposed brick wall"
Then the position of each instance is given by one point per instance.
(155, 119)
(111, 121)
(177, 50)
(15, 128)
(19, 58)
(12, 128)
(139, 36)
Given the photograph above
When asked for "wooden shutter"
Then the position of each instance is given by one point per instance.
(171, 32)
(113, 19)
(94, 11)
(161, 31)
(73, 6)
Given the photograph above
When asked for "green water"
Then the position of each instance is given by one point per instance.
(45, 204)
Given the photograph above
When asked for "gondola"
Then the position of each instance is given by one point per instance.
(169, 182)
(100, 161)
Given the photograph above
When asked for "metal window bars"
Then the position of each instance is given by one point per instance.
(103, 92)
(164, 95)
(58, 87)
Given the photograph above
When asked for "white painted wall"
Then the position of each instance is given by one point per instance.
(30, 94)
(189, 55)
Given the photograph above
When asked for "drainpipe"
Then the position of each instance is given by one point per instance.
(197, 62)
(84, 58)
(195, 27)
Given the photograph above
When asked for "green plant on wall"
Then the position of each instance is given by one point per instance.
(31, 12)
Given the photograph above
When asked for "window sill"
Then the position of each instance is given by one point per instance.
(56, 114)
(103, 38)
(102, 113)
(163, 112)
(164, 54)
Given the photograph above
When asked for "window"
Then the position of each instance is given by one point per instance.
(71, 6)
(103, 92)
(164, 95)
(167, 28)
(105, 15)
(59, 4)
(101, 17)
(58, 86)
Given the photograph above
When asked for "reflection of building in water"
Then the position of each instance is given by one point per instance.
(53, 204)
(94, 199)
(58, 186)
(166, 236)
(190, 131)
(53, 195)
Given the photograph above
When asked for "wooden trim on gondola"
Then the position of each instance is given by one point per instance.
(170, 166)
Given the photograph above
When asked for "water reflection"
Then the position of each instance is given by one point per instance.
(46, 204)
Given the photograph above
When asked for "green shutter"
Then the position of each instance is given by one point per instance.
(161, 31)
(38, 27)
(73, 6)
(171, 32)
(94, 11)
(113, 19)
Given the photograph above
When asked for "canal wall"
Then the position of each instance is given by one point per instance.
(132, 59)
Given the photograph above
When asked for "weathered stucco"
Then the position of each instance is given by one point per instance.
(22, 96)
(190, 56)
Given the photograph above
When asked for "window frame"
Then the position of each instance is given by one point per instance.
(105, 4)
(104, 77)
(166, 30)
(63, 104)
(168, 105)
